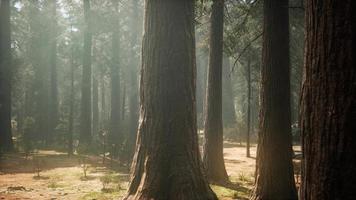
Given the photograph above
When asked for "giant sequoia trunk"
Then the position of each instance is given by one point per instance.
(167, 163)
(329, 101)
(274, 172)
(213, 157)
(5, 77)
(85, 123)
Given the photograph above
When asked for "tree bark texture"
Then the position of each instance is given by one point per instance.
(328, 109)
(213, 157)
(274, 168)
(167, 163)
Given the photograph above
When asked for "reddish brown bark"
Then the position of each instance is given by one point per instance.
(329, 101)
(213, 157)
(274, 169)
(167, 163)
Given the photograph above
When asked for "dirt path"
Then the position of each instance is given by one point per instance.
(63, 178)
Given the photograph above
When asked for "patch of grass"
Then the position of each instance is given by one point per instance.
(223, 192)
(243, 177)
(113, 180)
(54, 185)
(231, 191)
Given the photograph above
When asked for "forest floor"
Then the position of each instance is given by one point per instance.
(62, 177)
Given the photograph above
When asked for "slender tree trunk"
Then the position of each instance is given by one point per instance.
(95, 107)
(201, 87)
(205, 83)
(248, 107)
(53, 99)
(123, 101)
(115, 137)
(328, 106)
(167, 163)
(5, 77)
(133, 98)
(86, 114)
(213, 157)
(103, 112)
(71, 104)
(274, 168)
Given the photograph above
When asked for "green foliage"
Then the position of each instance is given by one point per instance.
(243, 177)
(54, 183)
(223, 192)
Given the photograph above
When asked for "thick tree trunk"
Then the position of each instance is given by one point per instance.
(86, 115)
(167, 163)
(5, 77)
(213, 157)
(248, 124)
(274, 172)
(53, 99)
(329, 101)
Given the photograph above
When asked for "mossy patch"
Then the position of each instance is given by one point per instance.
(224, 193)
